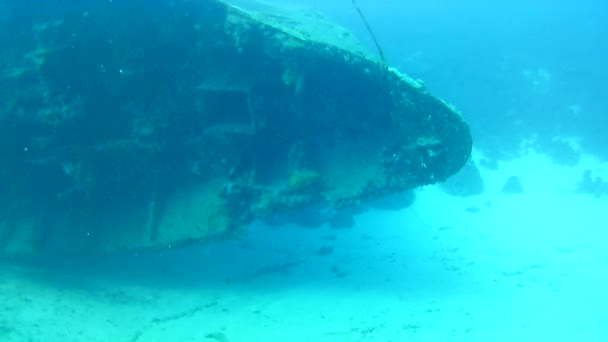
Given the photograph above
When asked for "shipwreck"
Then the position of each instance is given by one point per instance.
(138, 124)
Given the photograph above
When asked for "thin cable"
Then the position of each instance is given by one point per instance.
(369, 30)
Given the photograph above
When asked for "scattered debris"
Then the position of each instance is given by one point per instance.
(217, 336)
(590, 184)
(512, 186)
(466, 182)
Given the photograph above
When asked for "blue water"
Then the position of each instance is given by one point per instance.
(502, 52)
(530, 80)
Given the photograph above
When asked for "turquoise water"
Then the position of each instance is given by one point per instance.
(491, 266)
(529, 267)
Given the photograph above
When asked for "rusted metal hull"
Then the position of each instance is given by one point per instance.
(129, 125)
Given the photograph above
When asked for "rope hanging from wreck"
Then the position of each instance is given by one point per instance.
(369, 30)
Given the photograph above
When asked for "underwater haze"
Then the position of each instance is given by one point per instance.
(528, 66)
(513, 247)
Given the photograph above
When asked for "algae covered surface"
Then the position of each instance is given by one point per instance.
(125, 125)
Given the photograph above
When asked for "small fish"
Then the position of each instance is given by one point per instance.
(472, 209)
(324, 251)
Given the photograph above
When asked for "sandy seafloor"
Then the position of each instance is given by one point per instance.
(526, 267)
